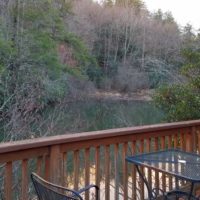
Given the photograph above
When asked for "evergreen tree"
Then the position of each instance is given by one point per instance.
(182, 101)
(139, 4)
(32, 75)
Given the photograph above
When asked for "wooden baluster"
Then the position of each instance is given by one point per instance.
(87, 171)
(8, 181)
(133, 173)
(47, 169)
(24, 179)
(194, 139)
(97, 164)
(176, 146)
(107, 172)
(163, 175)
(141, 181)
(125, 171)
(182, 146)
(76, 169)
(148, 147)
(189, 143)
(65, 181)
(176, 141)
(116, 164)
(170, 141)
(156, 173)
(162, 141)
(39, 165)
(182, 140)
(170, 177)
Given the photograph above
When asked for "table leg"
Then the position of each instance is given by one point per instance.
(145, 181)
(191, 190)
(152, 195)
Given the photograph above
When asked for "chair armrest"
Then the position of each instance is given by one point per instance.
(156, 192)
(88, 188)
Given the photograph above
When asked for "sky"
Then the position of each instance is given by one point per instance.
(184, 11)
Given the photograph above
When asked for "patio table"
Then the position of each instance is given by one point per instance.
(177, 163)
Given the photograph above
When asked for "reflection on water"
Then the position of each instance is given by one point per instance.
(97, 115)
(94, 115)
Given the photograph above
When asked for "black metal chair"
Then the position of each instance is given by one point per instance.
(49, 191)
(176, 195)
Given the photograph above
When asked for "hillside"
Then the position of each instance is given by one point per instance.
(55, 52)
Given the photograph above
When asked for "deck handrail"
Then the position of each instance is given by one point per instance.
(64, 158)
(74, 137)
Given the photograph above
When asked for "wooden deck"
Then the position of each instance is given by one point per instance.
(80, 159)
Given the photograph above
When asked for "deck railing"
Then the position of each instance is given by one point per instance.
(98, 157)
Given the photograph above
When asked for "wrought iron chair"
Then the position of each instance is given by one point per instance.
(174, 195)
(49, 191)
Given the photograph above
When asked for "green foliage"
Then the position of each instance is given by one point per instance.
(139, 4)
(87, 64)
(32, 76)
(6, 53)
(94, 73)
(80, 52)
(75, 72)
(107, 59)
(165, 17)
(179, 102)
(159, 72)
(182, 102)
(192, 63)
(55, 90)
(43, 54)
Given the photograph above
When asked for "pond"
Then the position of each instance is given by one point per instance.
(94, 115)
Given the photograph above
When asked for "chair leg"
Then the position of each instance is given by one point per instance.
(97, 193)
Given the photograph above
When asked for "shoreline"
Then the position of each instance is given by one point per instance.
(142, 95)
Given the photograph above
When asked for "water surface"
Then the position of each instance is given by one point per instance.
(95, 115)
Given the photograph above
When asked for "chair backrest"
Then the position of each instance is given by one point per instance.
(49, 191)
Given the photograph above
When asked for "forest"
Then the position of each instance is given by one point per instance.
(53, 52)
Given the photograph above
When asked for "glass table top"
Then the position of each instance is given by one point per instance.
(175, 162)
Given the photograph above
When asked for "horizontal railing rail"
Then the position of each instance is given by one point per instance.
(76, 160)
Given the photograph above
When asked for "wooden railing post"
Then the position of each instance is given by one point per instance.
(8, 181)
(194, 139)
(56, 168)
(24, 179)
(189, 141)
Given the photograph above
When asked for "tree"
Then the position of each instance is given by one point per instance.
(33, 76)
(158, 15)
(182, 101)
(188, 36)
(120, 35)
(108, 3)
(138, 4)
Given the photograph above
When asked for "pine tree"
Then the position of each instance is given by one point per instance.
(139, 4)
